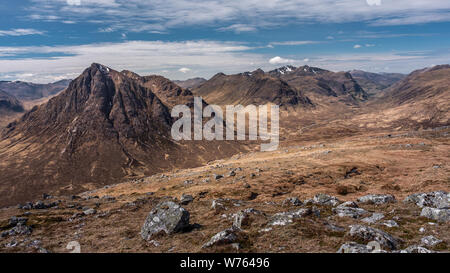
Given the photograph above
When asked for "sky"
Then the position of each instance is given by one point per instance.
(48, 40)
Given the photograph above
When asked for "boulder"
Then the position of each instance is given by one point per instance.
(352, 247)
(368, 234)
(228, 236)
(167, 217)
(430, 241)
(377, 199)
(292, 201)
(437, 199)
(440, 215)
(415, 249)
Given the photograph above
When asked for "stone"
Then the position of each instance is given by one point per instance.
(186, 199)
(352, 247)
(14, 221)
(430, 241)
(167, 217)
(217, 205)
(368, 234)
(348, 204)
(232, 173)
(292, 201)
(416, 249)
(390, 223)
(377, 199)
(374, 218)
(349, 212)
(284, 218)
(228, 236)
(440, 215)
(325, 200)
(89, 211)
(437, 199)
(241, 219)
(217, 176)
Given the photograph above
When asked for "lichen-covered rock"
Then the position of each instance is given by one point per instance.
(377, 199)
(348, 204)
(284, 218)
(224, 237)
(440, 215)
(430, 241)
(368, 234)
(325, 200)
(349, 212)
(241, 219)
(167, 217)
(437, 199)
(390, 223)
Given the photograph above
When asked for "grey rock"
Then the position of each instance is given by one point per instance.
(292, 201)
(390, 223)
(14, 221)
(437, 199)
(372, 234)
(228, 236)
(348, 204)
(374, 218)
(19, 229)
(440, 215)
(352, 247)
(241, 219)
(349, 212)
(217, 205)
(89, 212)
(167, 217)
(415, 249)
(430, 241)
(325, 200)
(285, 218)
(377, 199)
(217, 176)
(186, 199)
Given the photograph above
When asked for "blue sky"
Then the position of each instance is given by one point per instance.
(48, 40)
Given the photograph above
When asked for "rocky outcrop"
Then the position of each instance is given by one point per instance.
(377, 199)
(437, 199)
(440, 215)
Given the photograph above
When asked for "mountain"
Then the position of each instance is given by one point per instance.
(191, 83)
(373, 83)
(316, 81)
(8, 103)
(33, 91)
(422, 99)
(106, 126)
(247, 88)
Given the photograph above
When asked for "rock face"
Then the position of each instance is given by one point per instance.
(430, 241)
(167, 217)
(377, 199)
(224, 237)
(440, 215)
(437, 199)
(8, 103)
(368, 234)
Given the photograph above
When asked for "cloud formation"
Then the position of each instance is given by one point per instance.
(238, 16)
(21, 32)
(278, 60)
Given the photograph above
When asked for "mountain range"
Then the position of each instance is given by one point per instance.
(107, 126)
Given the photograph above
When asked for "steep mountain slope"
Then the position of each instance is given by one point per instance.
(104, 127)
(373, 83)
(421, 100)
(250, 88)
(191, 83)
(315, 81)
(33, 91)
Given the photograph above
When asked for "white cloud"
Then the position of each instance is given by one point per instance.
(357, 46)
(144, 57)
(279, 60)
(294, 43)
(73, 2)
(21, 32)
(239, 16)
(184, 70)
